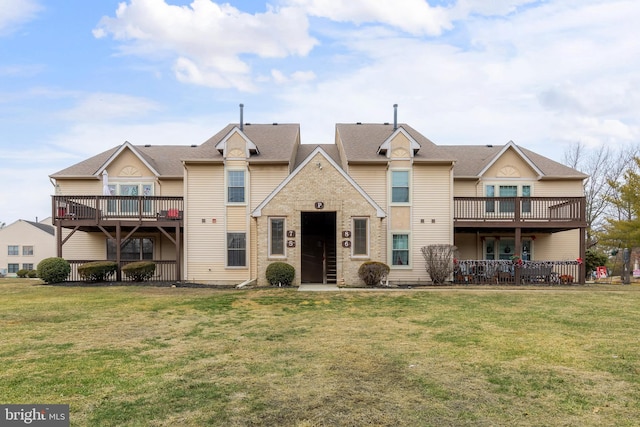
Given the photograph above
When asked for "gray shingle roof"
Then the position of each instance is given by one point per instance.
(472, 159)
(44, 227)
(278, 142)
(361, 142)
(305, 149)
(275, 144)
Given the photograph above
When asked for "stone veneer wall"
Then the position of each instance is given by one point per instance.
(310, 185)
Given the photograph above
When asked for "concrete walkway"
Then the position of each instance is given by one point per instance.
(319, 287)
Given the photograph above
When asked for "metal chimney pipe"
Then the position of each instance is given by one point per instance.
(241, 117)
(395, 116)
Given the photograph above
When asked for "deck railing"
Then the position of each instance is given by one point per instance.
(117, 207)
(165, 271)
(523, 272)
(519, 209)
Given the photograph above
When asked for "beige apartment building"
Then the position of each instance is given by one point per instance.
(221, 211)
(24, 244)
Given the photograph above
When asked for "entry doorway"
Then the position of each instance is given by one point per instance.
(319, 264)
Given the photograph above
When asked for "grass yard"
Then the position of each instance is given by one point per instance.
(144, 356)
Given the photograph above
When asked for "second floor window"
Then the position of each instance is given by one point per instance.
(27, 250)
(13, 250)
(400, 186)
(235, 187)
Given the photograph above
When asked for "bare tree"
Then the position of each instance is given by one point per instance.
(604, 165)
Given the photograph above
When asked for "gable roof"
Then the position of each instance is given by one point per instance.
(473, 160)
(258, 210)
(305, 150)
(362, 142)
(49, 229)
(164, 160)
(274, 143)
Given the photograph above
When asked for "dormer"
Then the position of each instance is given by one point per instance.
(400, 144)
(237, 145)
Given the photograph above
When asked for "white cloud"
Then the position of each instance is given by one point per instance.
(109, 106)
(413, 16)
(206, 40)
(15, 13)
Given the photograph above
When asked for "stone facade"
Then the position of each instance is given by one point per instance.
(318, 181)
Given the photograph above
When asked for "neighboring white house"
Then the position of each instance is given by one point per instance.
(23, 244)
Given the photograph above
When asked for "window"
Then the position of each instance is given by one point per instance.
(360, 236)
(400, 186)
(13, 250)
(400, 252)
(13, 268)
(508, 191)
(235, 187)
(27, 266)
(130, 189)
(490, 191)
(276, 236)
(27, 250)
(130, 206)
(504, 248)
(526, 204)
(131, 249)
(236, 250)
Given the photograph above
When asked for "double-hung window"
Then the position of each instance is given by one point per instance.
(400, 251)
(235, 187)
(27, 250)
(236, 250)
(400, 186)
(360, 237)
(13, 250)
(276, 237)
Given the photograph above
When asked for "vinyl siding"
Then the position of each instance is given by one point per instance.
(264, 179)
(205, 242)
(21, 233)
(373, 180)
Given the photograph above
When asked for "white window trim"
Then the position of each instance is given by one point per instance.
(409, 265)
(247, 261)
(410, 179)
(246, 186)
(284, 238)
(367, 255)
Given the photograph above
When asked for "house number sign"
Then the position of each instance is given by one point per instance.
(346, 243)
(319, 205)
(291, 243)
(291, 233)
(346, 234)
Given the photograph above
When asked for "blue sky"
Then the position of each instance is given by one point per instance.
(78, 77)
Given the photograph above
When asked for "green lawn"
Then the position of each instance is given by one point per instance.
(144, 356)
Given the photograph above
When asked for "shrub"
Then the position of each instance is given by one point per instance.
(373, 273)
(54, 270)
(439, 261)
(97, 271)
(32, 273)
(280, 274)
(139, 271)
(22, 273)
